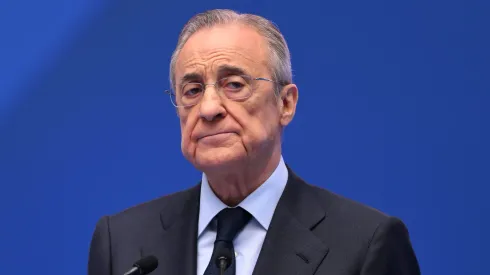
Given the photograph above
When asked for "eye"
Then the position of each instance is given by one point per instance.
(233, 83)
(191, 90)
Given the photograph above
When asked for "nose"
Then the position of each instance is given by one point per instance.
(211, 107)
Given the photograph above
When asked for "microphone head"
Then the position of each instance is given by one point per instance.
(146, 264)
(225, 255)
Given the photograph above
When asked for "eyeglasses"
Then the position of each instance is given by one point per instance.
(235, 87)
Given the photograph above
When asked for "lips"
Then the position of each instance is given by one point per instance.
(214, 134)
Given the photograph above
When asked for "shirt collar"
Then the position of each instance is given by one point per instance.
(260, 204)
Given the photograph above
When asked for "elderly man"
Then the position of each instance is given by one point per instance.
(250, 214)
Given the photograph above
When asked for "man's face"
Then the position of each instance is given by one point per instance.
(220, 133)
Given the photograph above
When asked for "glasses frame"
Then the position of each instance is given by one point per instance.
(171, 93)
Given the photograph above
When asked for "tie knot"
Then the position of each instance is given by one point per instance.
(230, 222)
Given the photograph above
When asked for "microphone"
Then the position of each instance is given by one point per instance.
(223, 263)
(224, 257)
(143, 266)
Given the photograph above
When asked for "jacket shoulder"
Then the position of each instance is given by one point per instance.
(345, 218)
(142, 214)
(337, 207)
(356, 233)
(343, 208)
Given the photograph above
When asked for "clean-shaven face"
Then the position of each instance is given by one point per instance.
(219, 133)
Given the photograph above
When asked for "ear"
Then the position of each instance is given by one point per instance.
(289, 99)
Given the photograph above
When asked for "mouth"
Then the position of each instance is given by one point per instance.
(216, 139)
(220, 134)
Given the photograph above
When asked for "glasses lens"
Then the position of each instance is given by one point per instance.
(236, 87)
(191, 94)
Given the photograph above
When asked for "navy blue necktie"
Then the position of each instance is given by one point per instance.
(230, 222)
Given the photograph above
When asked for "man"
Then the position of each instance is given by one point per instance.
(232, 86)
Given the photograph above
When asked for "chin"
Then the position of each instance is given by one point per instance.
(218, 158)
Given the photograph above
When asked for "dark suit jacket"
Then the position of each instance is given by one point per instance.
(313, 231)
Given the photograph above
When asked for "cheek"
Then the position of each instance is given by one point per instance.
(260, 125)
(186, 127)
(182, 134)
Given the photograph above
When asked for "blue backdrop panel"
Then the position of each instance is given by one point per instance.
(393, 112)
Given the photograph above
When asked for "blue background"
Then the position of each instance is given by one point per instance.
(393, 112)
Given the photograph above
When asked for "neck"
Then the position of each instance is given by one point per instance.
(232, 187)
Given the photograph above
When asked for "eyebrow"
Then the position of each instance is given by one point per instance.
(223, 70)
(190, 77)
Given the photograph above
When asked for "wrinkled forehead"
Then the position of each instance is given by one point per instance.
(210, 50)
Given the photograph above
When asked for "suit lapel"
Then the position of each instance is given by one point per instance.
(176, 246)
(290, 246)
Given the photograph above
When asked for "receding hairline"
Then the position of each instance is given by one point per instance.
(265, 60)
(278, 55)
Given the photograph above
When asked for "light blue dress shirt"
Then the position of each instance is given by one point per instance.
(248, 243)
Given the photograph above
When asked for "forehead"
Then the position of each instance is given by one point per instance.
(235, 44)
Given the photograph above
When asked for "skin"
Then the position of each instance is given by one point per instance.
(237, 144)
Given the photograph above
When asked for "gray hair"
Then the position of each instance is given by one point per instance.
(279, 57)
